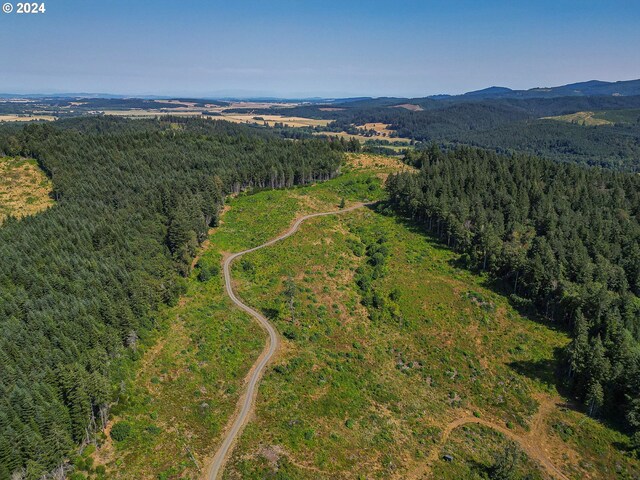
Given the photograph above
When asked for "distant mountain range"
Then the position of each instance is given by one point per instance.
(582, 89)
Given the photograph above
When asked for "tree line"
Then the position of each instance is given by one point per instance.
(81, 283)
(562, 239)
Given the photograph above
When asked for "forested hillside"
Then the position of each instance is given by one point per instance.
(80, 282)
(560, 238)
(502, 124)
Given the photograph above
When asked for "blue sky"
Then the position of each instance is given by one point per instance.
(295, 48)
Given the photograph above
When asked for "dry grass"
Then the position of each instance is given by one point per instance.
(26, 118)
(147, 113)
(24, 189)
(380, 164)
(271, 120)
(250, 105)
(380, 128)
(188, 111)
(409, 106)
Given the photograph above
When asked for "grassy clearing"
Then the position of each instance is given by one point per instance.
(409, 106)
(366, 392)
(359, 392)
(190, 373)
(381, 129)
(26, 118)
(356, 391)
(24, 188)
(252, 218)
(582, 118)
(604, 117)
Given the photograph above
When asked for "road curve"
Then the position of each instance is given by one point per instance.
(246, 402)
(529, 445)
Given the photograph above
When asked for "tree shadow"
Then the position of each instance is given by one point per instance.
(548, 371)
(500, 286)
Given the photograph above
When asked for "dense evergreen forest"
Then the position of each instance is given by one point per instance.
(80, 282)
(564, 240)
(499, 124)
(615, 147)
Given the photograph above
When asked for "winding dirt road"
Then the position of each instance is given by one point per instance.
(529, 443)
(247, 400)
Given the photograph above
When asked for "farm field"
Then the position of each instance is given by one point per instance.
(269, 120)
(24, 188)
(26, 118)
(386, 344)
(364, 138)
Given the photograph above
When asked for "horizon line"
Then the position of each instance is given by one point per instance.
(264, 96)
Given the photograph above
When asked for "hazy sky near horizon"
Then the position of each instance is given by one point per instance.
(294, 48)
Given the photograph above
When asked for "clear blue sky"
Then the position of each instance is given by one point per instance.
(323, 48)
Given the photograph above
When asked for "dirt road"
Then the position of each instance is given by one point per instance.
(532, 442)
(247, 400)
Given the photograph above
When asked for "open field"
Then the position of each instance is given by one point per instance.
(381, 129)
(409, 106)
(150, 113)
(371, 132)
(26, 118)
(256, 105)
(605, 117)
(364, 138)
(24, 188)
(359, 389)
(581, 118)
(271, 120)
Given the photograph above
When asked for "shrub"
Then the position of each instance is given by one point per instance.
(88, 451)
(121, 431)
(207, 271)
